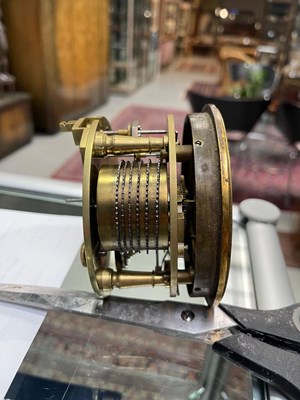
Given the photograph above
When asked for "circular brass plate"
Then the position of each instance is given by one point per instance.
(173, 206)
(208, 182)
(226, 192)
(89, 186)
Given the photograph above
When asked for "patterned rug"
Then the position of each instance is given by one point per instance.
(204, 65)
(266, 169)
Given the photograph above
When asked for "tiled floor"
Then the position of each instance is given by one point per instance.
(45, 154)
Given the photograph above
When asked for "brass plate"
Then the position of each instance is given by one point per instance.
(173, 206)
(226, 190)
(89, 187)
(209, 183)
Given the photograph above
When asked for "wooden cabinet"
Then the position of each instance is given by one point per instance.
(168, 32)
(15, 122)
(59, 54)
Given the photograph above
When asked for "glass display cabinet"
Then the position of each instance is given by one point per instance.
(133, 44)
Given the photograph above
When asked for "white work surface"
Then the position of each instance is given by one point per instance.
(35, 249)
(40, 249)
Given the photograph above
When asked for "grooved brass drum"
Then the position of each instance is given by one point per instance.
(132, 206)
(144, 191)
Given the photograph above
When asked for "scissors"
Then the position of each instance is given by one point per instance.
(265, 342)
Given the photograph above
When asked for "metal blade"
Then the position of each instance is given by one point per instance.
(180, 319)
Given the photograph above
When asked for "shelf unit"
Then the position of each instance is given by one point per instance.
(267, 23)
(168, 30)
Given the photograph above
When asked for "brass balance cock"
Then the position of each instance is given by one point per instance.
(144, 191)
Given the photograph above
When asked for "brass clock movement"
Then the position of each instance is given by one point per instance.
(147, 191)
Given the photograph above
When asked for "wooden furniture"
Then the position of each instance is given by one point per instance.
(59, 54)
(168, 31)
(15, 122)
(15, 108)
(184, 25)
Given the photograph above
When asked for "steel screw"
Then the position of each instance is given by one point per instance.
(187, 315)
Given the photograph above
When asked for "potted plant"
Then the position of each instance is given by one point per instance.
(243, 94)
